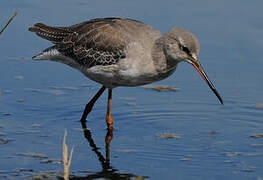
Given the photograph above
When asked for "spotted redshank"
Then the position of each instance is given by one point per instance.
(120, 52)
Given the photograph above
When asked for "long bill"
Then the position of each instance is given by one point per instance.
(201, 71)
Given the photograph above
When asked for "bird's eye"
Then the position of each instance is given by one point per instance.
(185, 49)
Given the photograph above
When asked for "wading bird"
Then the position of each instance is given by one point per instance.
(120, 52)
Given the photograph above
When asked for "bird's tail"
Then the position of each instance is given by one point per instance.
(47, 54)
(53, 34)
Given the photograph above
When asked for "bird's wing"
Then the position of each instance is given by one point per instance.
(53, 34)
(94, 42)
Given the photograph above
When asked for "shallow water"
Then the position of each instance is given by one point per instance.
(39, 100)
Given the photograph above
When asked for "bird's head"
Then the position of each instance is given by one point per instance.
(180, 45)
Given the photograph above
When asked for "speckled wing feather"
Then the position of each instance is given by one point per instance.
(53, 34)
(95, 42)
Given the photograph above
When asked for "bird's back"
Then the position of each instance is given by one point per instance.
(111, 51)
(102, 41)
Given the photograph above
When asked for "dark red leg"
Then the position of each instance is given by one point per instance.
(109, 119)
(108, 139)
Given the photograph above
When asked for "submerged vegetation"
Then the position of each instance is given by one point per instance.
(160, 88)
(169, 135)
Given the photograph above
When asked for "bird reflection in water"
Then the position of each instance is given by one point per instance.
(108, 172)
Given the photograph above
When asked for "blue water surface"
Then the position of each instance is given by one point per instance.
(40, 99)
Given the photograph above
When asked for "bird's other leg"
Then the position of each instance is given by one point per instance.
(109, 119)
(90, 105)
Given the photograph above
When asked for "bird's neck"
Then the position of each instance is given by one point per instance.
(162, 62)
